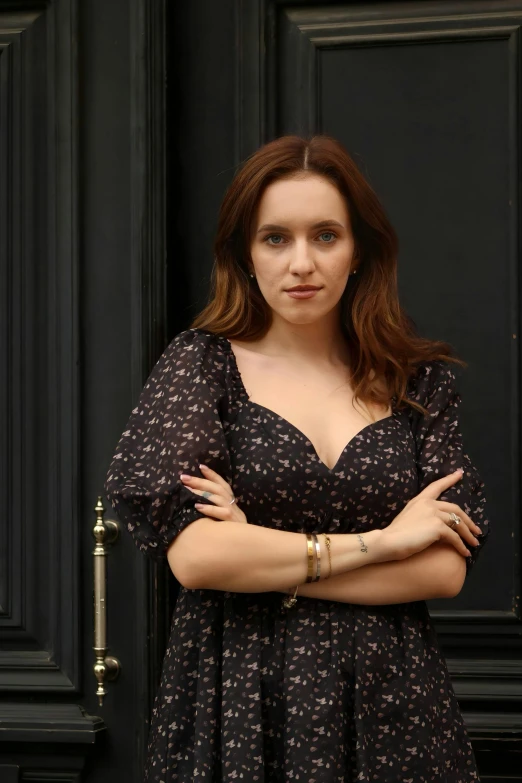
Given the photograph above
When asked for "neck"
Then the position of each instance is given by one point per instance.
(318, 342)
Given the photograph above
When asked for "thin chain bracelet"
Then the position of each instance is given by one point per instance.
(327, 541)
(291, 600)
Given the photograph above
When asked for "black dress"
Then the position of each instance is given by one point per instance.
(326, 692)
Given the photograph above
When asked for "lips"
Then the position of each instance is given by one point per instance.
(304, 288)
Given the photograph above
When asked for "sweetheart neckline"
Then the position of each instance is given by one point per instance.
(296, 429)
(302, 435)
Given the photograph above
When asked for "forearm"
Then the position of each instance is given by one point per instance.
(436, 572)
(248, 558)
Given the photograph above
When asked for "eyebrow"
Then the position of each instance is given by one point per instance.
(320, 224)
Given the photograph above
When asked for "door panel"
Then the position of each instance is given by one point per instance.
(73, 205)
(39, 350)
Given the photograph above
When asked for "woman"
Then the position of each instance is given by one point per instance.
(322, 434)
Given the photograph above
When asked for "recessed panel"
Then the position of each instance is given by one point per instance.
(38, 362)
(431, 126)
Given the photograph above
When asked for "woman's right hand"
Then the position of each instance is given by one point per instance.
(425, 520)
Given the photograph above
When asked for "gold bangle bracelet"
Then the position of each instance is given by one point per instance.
(310, 546)
(318, 558)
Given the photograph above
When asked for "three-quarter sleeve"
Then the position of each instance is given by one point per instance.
(440, 448)
(177, 424)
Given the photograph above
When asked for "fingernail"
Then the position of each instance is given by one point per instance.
(459, 470)
(203, 467)
(469, 553)
(199, 505)
(185, 476)
(479, 531)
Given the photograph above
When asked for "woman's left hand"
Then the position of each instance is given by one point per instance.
(216, 488)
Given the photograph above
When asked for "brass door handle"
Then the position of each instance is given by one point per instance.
(106, 667)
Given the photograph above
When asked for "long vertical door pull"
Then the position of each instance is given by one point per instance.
(106, 667)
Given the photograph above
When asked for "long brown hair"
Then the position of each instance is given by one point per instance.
(382, 337)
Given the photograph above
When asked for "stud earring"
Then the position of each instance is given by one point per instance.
(251, 275)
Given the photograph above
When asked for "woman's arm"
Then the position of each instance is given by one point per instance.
(436, 572)
(252, 559)
(247, 558)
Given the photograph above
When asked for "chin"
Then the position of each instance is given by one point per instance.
(302, 318)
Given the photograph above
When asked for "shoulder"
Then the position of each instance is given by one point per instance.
(193, 355)
(433, 383)
(195, 341)
(195, 349)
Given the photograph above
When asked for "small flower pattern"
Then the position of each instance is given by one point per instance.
(326, 692)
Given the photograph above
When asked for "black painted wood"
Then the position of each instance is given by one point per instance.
(9, 773)
(46, 742)
(132, 119)
(91, 191)
(48, 724)
(39, 349)
(124, 304)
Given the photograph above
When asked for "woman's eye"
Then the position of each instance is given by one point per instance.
(328, 233)
(272, 236)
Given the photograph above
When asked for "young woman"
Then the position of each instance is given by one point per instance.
(295, 456)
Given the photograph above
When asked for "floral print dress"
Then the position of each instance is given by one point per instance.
(326, 692)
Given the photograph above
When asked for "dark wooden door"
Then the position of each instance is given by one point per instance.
(83, 317)
(121, 125)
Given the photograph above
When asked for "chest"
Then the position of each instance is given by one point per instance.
(280, 479)
(319, 405)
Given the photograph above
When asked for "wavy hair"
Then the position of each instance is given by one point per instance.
(384, 344)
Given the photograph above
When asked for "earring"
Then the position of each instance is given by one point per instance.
(354, 272)
(251, 275)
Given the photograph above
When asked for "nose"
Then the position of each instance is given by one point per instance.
(301, 258)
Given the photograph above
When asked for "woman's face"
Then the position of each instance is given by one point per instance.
(302, 236)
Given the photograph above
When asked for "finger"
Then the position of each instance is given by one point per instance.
(219, 500)
(453, 538)
(217, 512)
(211, 474)
(452, 507)
(462, 530)
(204, 485)
(434, 489)
(206, 495)
(197, 481)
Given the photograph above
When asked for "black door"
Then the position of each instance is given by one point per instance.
(83, 317)
(121, 124)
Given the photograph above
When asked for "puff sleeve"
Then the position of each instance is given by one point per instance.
(439, 446)
(178, 423)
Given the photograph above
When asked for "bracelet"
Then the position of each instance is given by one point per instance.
(327, 542)
(312, 543)
(291, 600)
(310, 546)
(318, 558)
